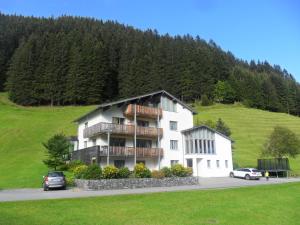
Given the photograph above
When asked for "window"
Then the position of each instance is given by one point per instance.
(191, 146)
(187, 149)
(218, 163)
(208, 163)
(196, 146)
(94, 142)
(141, 143)
(200, 145)
(213, 147)
(189, 163)
(173, 125)
(119, 163)
(141, 161)
(174, 162)
(204, 146)
(86, 124)
(173, 144)
(118, 142)
(226, 163)
(118, 120)
(85, 144)
(143, 123)
(208, 146)
(168, 105)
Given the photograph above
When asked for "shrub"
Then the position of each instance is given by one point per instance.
(92, 172)
(110, 172)
(79, 171)
(205, 101)
(179, 171)
(124, 172)
(158, 174)
(73, 164)
(167, 171)
(141, 171)
(189, 171)
(70, 181)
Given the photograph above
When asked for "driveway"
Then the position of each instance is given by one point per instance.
(204, 183)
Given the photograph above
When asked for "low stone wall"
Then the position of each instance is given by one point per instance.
(109, 184)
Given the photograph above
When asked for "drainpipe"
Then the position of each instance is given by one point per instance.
(108, 140)
(158, 141)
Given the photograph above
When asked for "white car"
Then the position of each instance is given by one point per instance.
(247, 173)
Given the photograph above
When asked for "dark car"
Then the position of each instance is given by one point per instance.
(55, 179)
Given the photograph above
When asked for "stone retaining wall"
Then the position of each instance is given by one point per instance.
(109, 184)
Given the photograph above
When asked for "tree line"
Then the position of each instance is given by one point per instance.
(79, 61)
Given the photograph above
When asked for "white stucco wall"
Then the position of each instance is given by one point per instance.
(222, 152)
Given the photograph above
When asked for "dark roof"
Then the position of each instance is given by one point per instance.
(161, 92)
(206, 127)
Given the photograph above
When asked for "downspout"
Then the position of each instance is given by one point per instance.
(135, 124)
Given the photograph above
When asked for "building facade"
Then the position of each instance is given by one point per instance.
(151, 129)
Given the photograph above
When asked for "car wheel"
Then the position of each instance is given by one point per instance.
(247, 177)
(231, 174)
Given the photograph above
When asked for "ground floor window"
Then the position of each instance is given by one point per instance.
(173, 144)
(189, 163)
(226, 163)
(218, 163)
(119, 163)
(174, 162)
(208, 163)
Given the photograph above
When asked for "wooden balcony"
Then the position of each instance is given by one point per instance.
(129, 151)
(128, 130)
(143, 111)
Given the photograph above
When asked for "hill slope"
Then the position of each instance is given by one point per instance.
(250, 128)
(22, 130)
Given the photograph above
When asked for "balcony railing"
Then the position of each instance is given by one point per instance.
(129, 151)
(143, 111)
(102, 127)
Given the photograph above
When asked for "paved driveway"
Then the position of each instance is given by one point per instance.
(204, 183)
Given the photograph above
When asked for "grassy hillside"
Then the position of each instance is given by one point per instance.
(22, 130)
(250, 128)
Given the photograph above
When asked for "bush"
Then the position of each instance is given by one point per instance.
(79, 171)
(124, 172)
(73, 164)
(92, 172)
(205, 100)
(70, 181)
(180, 171)
(141, 171)
(110, 172)
(167, 171)
(158, 174)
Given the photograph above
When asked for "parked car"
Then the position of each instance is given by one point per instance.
(54, 179)
(247, 173)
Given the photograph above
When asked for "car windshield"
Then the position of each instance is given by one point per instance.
(55, 174)
(255, 171)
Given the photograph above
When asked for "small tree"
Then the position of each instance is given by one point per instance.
(223, 92)
(282, 143)
(57, 151)
(205, 100)
(223, 128)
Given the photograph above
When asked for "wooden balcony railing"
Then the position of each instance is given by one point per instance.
(129, 151)
(143, 111)
(102, 127)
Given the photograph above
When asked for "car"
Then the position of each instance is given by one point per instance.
(54, 179)
(247, 173)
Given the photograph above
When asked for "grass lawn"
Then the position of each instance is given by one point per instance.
(266, 205)
(22, 130)
(250, 129)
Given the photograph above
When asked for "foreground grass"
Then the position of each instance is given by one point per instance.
(22, 130)
(272, 204)
(250, 129)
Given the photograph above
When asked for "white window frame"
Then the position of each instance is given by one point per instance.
(173, 162)
(171, 125)
(172, 144)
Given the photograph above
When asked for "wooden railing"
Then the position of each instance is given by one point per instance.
(102, 127)
(143, 111)
(130, 151)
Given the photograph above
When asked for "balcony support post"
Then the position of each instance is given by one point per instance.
(158, 140)
(135, 124)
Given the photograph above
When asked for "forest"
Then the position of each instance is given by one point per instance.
(81, 61)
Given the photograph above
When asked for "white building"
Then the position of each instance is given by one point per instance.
(156, 129)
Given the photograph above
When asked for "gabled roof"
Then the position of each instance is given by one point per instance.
(127, 100)
(208, 128)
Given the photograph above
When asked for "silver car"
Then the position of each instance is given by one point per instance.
(55, 179)
(247, 173)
